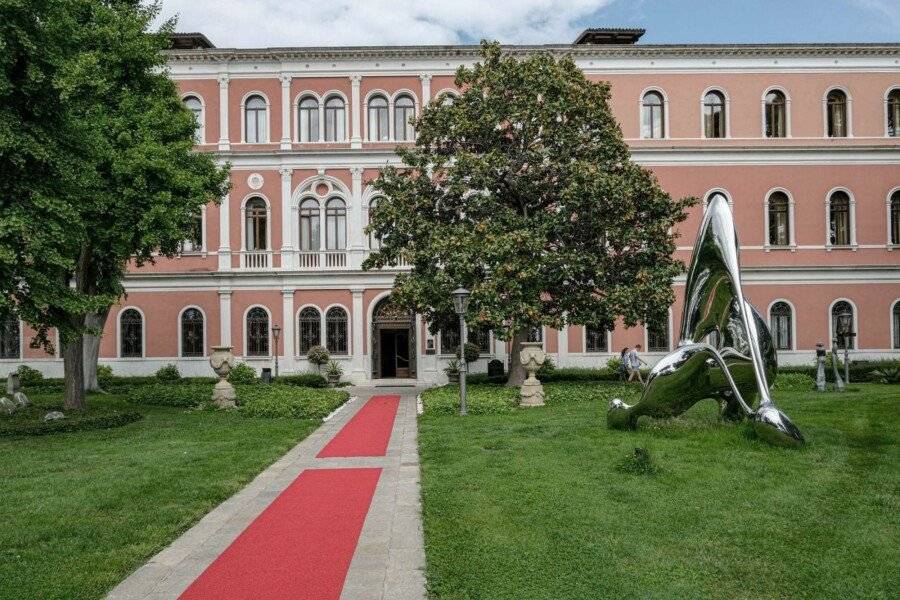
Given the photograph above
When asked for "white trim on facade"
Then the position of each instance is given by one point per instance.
(792, 240)
(268, 127)
(721, 90)
(787, 111)
(201, 131)
(245, 331)
(119, 333)
(205, 333)
(665, 115)
(793, 320)
(855, 320)
(853, 243)
(825, 113)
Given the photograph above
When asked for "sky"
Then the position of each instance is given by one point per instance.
(260, 23)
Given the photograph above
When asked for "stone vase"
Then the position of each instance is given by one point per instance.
(532, 357)
(222, 361)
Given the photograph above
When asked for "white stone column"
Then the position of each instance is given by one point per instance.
(355, 138)
(562, 342)
(224, 143)
(391, 132)
(225, 234)
(426, 88)
(287, 247)
(355, 239)
(358, 361)
(285, 112)
(225, 319)
(287, 330)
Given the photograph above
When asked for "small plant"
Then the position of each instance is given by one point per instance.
(546, 369)
(318, 355)
(104, 373)
(28, 376)
(614, 364)
(168, 373)
(472, 352)
(334, 372)
(638, 462)
(242, 373)
(887, 375)
(452, 370)
(311, 380)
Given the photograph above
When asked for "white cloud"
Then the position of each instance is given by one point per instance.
(889, 10)
(255, 23)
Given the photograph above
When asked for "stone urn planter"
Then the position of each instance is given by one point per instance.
(222, 361)
(532, 357)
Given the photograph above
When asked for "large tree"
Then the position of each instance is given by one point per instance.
(522, 190)
(100, 148)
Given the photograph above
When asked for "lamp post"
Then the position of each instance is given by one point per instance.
(845, 330)
(276, 333)
(461, 304)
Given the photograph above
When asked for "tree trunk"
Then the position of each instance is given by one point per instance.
(517, 372)
(94, 322)
(73, 373)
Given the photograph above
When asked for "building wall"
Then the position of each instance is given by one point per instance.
(224, 280)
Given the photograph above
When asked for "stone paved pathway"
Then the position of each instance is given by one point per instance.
(389, 561)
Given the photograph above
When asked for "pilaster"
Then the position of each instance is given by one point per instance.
(285, 111)
(355, 115)
(426, 88)
(225, 233)
(287, 330)
(287, 248)
(356, 243)
(359, 372)
(225, 319)
(224, 143)
(562, 342)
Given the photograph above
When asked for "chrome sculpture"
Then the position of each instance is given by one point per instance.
(737, 370)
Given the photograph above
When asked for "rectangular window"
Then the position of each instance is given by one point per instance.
(595, 339)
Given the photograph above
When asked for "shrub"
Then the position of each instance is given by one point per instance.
(73, 422)
(546, 369)
(318, 355)
(311, 380)
(452, 367)
(480, 400)
(168, 373)
(104, 373)
(472, 352)
(579, 374)
(334, 369)
(242, 373)
(28, 376)
(887, 375)
(166, 394)
(288, 401)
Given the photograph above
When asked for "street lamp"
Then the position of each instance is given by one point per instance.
(845, 330)
(276, 333)
(461, 304)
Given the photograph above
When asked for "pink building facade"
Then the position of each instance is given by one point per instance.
(803, 141)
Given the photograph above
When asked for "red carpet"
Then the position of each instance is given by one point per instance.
(368, 432)
(300, 547)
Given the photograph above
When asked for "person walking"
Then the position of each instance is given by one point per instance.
(634, 364)
(623, 364)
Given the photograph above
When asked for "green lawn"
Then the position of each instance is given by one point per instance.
(531, 504)
(80, 511)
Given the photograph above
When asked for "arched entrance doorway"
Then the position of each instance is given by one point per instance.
(393, 341)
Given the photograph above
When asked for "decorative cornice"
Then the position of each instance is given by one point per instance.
(589, 51)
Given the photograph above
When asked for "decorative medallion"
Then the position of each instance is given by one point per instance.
(255, 181)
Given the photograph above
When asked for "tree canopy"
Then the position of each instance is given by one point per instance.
(522, 190)
(99, 151)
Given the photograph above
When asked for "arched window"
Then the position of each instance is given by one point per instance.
(257, 332)
(335, 120)
(449, 339)
(308, 120)
(256, 226)
(192, 333)
(657, 336)
(893, 113)
(309, 225)
(378, 119)
(841, 308)
(839, 219)
(256, 127)
(335, 224)
(895, 317)
(714, 115)
(10, 340)
(780, 320)
(404, 113)
(776, 114)
(194, 241)
(836, 113)
(193, 104)
(895, 218)
(653, 118)
(779, 219)
(336, 330)
(310, 329)
(131, 334)
(595, 339)
(374, 242)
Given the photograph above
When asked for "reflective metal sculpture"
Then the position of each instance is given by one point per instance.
(738, 369)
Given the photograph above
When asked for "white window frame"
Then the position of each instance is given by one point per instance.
(21, 345)
(665, 109)
(855, 321)
(119, 334)
(246, 333)
(609, 346)
(887, 93)
(268, 125)
(792, 240)
(849, 113)
(721, 90)
(787, 112)
(647, 337)
(201, 131)
(793, 321)
(853, 244)
(887, 202)
(205, 330)
(891, 317)
(321, 118)
(392, 107)
(347, 108)
(321, 313)
(717, 190)
(324, 325)
(244, 221)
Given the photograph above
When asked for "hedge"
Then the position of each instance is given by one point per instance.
(168, 394)
(72, 422)
(288, 401)
(312, 380)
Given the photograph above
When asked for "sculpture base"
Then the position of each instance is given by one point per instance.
(531, 393)
(224, 395)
